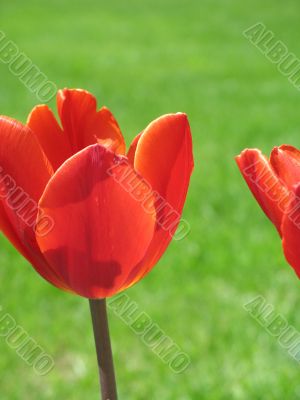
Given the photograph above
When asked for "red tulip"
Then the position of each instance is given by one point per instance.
(275, 183)
(89, 218)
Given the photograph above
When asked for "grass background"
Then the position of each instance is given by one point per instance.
(143, 59)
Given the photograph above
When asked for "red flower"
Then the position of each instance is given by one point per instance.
(275, 183)
(90, 219)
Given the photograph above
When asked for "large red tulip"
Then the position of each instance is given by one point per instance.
(89, 218)
(275, 183)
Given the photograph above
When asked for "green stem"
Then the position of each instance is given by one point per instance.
(103, 349)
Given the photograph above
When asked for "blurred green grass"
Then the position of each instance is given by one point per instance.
(143, 59)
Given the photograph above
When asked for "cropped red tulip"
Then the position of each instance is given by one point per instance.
(99, 224)
(275, 183)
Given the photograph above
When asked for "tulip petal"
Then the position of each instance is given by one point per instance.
(285, 161)
(24, 173)
(291, 231)
(100, 231)
(266, 187)
(22, 157)
(106, 130)
(52, 139)
(132, 149)
(84, 125)
(163, 156)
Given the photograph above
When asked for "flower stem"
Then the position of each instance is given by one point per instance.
(103, 348)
